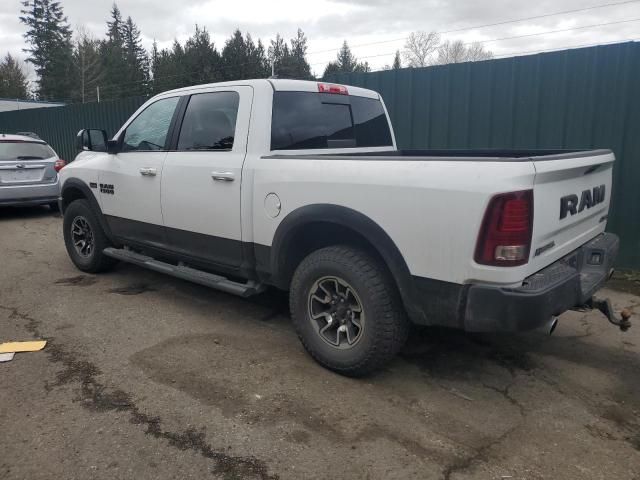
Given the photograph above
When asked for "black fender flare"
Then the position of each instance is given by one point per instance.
(350, 219)
(91, 198)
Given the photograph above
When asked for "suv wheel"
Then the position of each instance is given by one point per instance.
(85, 239)
(347, 311)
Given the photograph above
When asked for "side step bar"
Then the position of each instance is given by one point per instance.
(186, 273)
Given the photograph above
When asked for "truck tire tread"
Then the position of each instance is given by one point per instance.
(391, 326)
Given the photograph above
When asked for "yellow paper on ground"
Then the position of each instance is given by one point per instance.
(22, 346)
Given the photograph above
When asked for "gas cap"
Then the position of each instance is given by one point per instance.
(272, 205)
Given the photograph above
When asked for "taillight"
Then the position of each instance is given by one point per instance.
(331, 88)
(59, 164)
(505, 233)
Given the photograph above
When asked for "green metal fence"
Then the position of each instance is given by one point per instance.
(583, 98)
(59, 125)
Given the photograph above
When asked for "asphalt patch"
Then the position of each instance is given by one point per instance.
(134, 289)
(98, 397)
(77, 281)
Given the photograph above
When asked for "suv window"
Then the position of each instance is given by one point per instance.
(148, 131)
(20, 150)
(309, 120)
(209, 122)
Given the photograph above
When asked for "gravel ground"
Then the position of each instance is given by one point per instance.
(146, 376)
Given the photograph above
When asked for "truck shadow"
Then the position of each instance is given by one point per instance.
(456, 360)
(447, 353)
(442, 351)
(463, 359)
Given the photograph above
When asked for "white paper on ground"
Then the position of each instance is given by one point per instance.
(6, 357)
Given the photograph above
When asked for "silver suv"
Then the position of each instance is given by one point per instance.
(28, 171)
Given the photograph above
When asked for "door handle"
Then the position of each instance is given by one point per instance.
(148, 172)
(223, 176)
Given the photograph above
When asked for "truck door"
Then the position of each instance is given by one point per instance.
(201, 180)
(130, 182)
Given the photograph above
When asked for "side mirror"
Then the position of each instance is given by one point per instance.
(92, 140)
(113, 146)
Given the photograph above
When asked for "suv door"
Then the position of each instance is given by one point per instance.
(130, 183)
(202, 178)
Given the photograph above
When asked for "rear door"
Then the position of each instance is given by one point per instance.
(572, 193)
(130, 182)
(24, 163)
(202, 177)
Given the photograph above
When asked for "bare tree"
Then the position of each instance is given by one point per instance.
(457, 52)
(476, 52)
(451, 52)
(420, 48)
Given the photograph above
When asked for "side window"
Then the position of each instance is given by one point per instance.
(209, 122)
(149, 129)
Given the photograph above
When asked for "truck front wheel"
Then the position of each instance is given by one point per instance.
(85, 239)
(346, 310)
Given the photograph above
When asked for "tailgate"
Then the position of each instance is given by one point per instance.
(572, 193)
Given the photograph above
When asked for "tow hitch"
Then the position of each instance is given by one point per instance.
(605, 307)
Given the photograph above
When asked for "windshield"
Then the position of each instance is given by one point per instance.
(309, 120)
(25, 151)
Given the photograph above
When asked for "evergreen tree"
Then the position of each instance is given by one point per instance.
(345, 62)
(168, 68)
(88, 67)
(279, 55)
(112, 52)
(50, 49)
(115, 27)
(125, 61)
(290, 62)
(302, 69)
(201, 59)
(136, 74)
(13, 81)
(243, 59)
(397, 63)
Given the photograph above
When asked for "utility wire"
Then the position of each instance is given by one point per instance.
(486, 25)
(584, 45)
(555, 31)
(138, 82)
(548, 32)
(509, 54)
(520, 52)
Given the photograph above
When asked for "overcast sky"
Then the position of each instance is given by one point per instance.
(328, 22)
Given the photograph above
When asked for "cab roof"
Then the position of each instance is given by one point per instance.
(280, 84)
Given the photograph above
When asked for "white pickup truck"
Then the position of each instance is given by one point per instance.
(299, 185)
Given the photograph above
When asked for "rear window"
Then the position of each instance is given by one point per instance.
(309, 120)
(25, 151)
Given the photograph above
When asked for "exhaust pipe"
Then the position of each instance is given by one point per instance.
(550, 326)
(553, 324)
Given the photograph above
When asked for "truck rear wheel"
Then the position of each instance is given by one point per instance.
(346, 310)
(84, 238)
